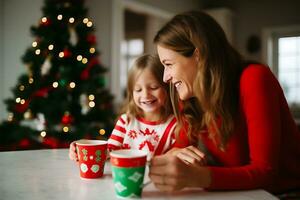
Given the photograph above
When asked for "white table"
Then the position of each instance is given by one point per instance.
(49, 174)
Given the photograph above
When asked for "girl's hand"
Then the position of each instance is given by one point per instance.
(189, 155)
(72, 152)
(170, 173)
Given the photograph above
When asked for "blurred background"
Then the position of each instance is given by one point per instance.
(119, 31)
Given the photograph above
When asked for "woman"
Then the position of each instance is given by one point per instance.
(235, 110)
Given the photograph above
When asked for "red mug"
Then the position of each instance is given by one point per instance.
(92, 156)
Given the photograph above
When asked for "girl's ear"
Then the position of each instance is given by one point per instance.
(196, 54)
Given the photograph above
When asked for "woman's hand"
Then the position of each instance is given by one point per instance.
(170, 173)
(72, 152)
(189, 155)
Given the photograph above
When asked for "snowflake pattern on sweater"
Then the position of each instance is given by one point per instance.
(151, 136)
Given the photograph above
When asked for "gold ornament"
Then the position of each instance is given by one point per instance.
(89, 24)
(65, 129)
(34, 44)
(102, 131)
(30, 80)
(92, 104)
(21, 87)
(59, 17)
(28, 114)
(44, 19)
(92, 50)
(91, 97)
(72, 85)
(43, 134)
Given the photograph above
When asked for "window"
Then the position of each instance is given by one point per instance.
(289, 67)
(282, 50)
(130, 50)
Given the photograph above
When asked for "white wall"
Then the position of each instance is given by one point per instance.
(101, 15)
(1, 59)
(17, 17)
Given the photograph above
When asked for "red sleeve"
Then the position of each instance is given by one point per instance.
(260, 96)
(181, 140)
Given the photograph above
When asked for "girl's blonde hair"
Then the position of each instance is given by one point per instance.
(152, 63)
(216, 84)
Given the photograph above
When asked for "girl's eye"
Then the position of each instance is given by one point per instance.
(137, 90)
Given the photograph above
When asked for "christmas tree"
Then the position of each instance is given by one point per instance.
(62, 96)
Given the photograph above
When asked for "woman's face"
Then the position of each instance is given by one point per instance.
(179, 70)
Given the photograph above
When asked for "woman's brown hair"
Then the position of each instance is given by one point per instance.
(152, 63)
(216, 84)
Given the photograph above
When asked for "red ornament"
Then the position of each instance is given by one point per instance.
(43, 92)
(91, 39)
(64, 144)
(94, 61)
(20, 108)
(51, 142)
(67, 53)
(67, 119)
(85, 74)
(24, 143)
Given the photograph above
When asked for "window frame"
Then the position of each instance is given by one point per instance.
(270, 53)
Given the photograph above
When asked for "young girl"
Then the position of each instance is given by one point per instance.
(146, 122)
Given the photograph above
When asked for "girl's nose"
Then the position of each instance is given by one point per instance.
(167, 76)
(145, 93)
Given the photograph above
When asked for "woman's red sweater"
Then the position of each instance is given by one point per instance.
(264, 150)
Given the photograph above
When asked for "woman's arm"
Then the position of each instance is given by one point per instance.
(260, 105)
(169, 173)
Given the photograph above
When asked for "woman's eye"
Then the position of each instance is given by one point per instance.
(168, 65)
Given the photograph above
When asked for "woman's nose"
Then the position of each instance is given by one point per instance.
(167, 76)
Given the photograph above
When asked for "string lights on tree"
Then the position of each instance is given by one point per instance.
(63, 96)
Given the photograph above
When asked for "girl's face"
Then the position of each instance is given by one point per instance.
(149, 95)
(179, 70)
